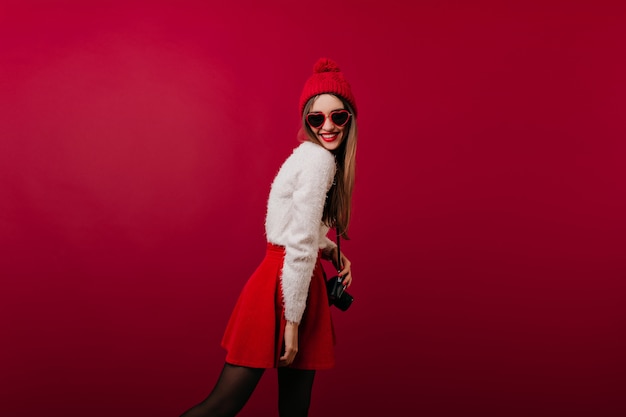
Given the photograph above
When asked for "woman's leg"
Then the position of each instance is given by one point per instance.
(294, 392)
(230, 394)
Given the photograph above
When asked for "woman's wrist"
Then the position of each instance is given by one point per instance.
(292, 323)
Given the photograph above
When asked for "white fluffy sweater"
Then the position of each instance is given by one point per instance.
(294, 220)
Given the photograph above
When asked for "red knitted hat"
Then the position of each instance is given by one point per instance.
(327, 78)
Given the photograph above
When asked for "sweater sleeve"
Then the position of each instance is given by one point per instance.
(314, 178)
(326, 243)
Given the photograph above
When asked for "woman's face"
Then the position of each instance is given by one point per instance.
(328, 134)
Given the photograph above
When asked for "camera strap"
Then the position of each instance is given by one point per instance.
(338, 249)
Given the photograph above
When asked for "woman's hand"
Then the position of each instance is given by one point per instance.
(291, 344)
(346, 272)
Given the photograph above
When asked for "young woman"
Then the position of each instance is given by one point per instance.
(282, 318)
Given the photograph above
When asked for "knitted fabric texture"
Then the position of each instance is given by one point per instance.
(294, 220)
(327, 78)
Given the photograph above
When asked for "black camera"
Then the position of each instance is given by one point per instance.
(337, 294)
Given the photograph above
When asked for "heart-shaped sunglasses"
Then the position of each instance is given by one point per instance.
(339, 118)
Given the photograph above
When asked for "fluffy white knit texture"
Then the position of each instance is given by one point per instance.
(294, 220)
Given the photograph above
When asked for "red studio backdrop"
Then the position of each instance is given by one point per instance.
(138, 141)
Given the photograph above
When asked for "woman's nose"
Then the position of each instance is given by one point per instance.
(328, 124)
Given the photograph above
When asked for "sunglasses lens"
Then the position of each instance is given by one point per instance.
(315, 120)
(340, 117)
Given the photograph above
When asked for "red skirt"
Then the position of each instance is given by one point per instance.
(254, 333)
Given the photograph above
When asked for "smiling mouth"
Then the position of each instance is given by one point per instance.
(329, 137)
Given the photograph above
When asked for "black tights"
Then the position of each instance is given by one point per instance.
(236, 384)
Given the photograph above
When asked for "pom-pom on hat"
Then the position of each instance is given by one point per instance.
(327, 78)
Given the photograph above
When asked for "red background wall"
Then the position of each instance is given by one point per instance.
(138, 141)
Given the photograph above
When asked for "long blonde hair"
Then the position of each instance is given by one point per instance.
(339, 201)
